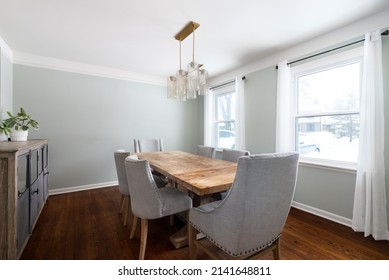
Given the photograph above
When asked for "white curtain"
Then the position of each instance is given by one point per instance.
(284, 123)
(208, 108)
(369, 213)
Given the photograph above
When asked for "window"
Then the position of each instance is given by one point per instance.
(221, 117)
(326, 121)
(225, 120)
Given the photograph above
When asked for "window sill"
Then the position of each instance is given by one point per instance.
(346, 167)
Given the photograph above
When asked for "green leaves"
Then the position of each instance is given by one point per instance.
(4, 128)
(20, 121)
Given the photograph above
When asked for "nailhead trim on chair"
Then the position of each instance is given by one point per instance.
(249, 252)
(151, 178)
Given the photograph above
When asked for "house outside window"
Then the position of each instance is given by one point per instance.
(326, 108)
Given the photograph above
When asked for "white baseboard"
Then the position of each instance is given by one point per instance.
(324, 214)
(82, 188)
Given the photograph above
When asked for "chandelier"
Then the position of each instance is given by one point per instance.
(187, 84)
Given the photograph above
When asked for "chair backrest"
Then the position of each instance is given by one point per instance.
(146, 202)
(254, 212)
(120, 156)
(148, 145)
(233, 155)
(206, 151)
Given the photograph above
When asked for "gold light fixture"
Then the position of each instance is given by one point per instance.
(188, 84)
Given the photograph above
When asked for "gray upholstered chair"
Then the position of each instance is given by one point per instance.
(125, 202)
(233, 155)
(249, 221)
(206, 151)
(149, 202)
(151, 145)
(120, 156)
(148, 145)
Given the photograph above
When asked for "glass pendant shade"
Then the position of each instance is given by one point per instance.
(203, 87)
(181, 84)
(171, 88)
(193, 80)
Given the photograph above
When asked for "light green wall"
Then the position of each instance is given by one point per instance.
(85, 118)
(328, 190)
(260, 110)
(6, 73)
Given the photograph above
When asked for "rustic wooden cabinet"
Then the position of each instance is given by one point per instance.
(23, 192)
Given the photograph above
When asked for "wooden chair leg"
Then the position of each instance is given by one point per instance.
(130, 214)
(126, 209)
(121, 203)
(192, 239)
(143, 238)
(133, 227)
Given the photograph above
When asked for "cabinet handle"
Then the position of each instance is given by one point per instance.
(36, 191)
(46, 173)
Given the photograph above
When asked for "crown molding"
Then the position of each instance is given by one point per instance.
(87, 69)
(6, 50)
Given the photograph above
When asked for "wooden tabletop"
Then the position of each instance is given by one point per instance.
(200, 175)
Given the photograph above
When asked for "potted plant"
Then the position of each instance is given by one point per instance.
(19, 125)
(4, 131)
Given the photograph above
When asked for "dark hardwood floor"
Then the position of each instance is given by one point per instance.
(86, 226)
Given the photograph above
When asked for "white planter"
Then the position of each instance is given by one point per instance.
(19, 135)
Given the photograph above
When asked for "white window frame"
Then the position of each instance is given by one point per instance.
(210, 121)
(329, 62)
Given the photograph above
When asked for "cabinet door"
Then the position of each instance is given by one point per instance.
(23, 173)
(23, 219)
(40, 180)
(45, 162)
(23, 203)
(34, 188)
(34, 204)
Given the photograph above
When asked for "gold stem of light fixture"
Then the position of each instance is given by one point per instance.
(193, 45)
(180, 55)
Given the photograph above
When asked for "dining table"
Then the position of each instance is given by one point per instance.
(200, 176)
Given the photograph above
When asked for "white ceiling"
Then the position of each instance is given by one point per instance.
(138, 36)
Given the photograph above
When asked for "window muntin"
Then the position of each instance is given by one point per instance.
(225, 108)
(327, 112)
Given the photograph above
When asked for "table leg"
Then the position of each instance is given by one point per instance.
(180, 238)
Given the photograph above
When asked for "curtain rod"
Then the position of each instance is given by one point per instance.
(227, 83)
(385, 33)
(223, 84)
